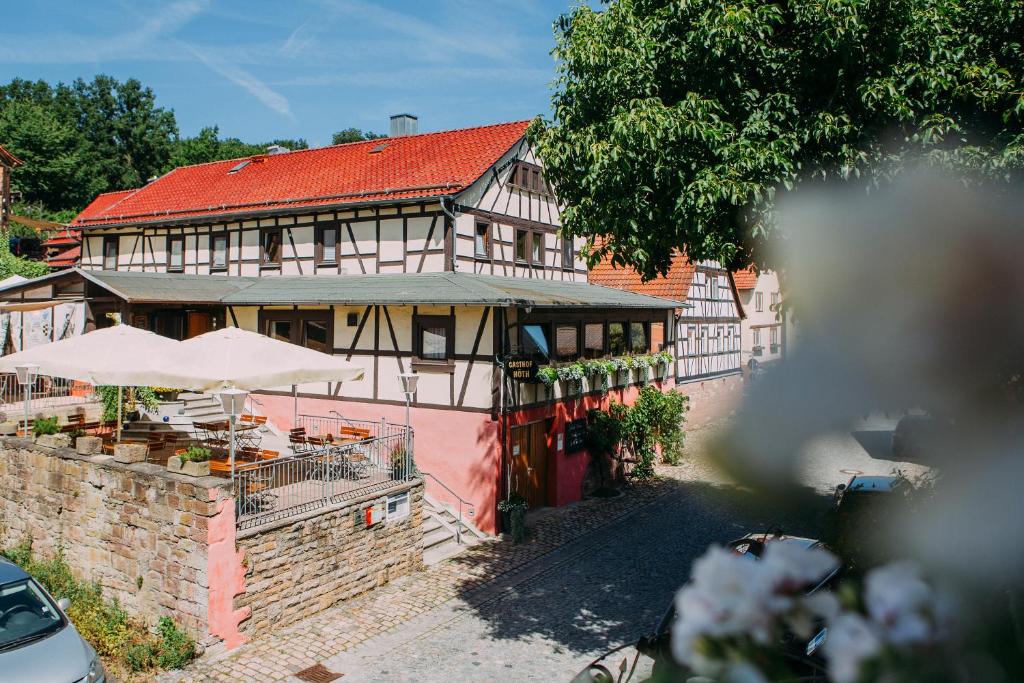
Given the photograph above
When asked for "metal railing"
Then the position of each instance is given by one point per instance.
(46, 392)
(275, 489)
(458, 527)
(335, 424)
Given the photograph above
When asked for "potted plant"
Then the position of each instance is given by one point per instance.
(513, 516)
(621, 365)
(47, 433)
(193, 461)
(547, 376)
(600, 371)
(662, 361)
(399, 463)
(572, 374)
(643, 367)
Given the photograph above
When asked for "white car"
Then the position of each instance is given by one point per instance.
(38, 644)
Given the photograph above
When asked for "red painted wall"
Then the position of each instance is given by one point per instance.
(458, 447)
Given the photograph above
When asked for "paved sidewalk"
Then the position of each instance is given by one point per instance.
(472, 576)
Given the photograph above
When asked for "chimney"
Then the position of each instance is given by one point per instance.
(403, 124)
(277, 149)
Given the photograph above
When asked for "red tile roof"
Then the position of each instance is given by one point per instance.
(67, 259)
(65, 236)
(675, 285)
(98, 206)
(745, 279)
(406, 167)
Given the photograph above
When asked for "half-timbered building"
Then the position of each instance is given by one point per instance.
(765, 332)
(706, 330)
(437, 253)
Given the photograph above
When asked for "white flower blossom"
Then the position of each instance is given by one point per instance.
(851, 641)
(899, 600)
(795, 566)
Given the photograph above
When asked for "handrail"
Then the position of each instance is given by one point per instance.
(458, 527)
(343, 418)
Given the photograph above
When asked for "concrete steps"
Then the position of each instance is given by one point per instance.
(440, 532)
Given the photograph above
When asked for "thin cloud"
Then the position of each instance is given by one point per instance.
(435, 40)
(270, 98)
(298, 40)
(63, 48)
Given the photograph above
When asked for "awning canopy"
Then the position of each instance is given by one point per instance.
(386, 288)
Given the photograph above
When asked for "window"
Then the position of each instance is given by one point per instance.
(657, 336)
(110, 252)
(758, 301)
(593, 340)
(638, 338)
(327, 244)
(775, 301)
(219, 251)
(534, 340)
(312, 329)
(522, 237)
(482, 240)
(617, 339)
(315, 335)
(280, 330)
(176, 253)
(567, 343)
(714, 286)
(568, 253)
(433, 339)
(270, 247)
(774, 336)
(537, 247)
(757, 337)
(398, 507)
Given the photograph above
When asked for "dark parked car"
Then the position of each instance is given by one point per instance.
(862, 508)
(37, 642)
(651, 656)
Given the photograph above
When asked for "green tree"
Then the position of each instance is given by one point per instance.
(56, 171)
(354, 135)
(130, 139)
(675, 123)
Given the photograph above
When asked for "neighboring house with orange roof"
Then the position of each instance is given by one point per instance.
(7, 164)
(437, 254)
(764, 328)
(705, 338)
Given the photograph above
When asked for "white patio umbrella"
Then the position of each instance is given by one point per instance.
(235, 359)
(121, 356)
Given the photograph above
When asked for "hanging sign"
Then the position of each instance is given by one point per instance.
(576, 435)
(521, 368)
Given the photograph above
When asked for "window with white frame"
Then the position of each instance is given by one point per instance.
(774, 336)
(758, 301)
(398, 507)
(775, 301)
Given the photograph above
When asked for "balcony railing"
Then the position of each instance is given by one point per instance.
(276, 489)
(757, 351)
(47, 392)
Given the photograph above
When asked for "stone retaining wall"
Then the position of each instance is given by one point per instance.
(138, 530)
(165, 544)
(297, 568)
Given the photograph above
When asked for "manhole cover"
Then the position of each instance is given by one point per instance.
(318, 673)
(852, 473)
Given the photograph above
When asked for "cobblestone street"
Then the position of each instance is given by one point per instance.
(591, 577)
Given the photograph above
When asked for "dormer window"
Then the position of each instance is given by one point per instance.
(529, 177)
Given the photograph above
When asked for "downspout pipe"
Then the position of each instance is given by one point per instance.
(450, 214)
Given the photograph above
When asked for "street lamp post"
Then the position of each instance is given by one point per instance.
(409, 381)
(233, 401)
(26, 378)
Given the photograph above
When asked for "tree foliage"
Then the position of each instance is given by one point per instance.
(354, 135)
(675, 123)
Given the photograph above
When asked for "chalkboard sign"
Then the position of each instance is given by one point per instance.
(521, 368)
(575, 435)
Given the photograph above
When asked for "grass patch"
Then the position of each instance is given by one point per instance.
(124, 643)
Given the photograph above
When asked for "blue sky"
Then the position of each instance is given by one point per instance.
(298, 68)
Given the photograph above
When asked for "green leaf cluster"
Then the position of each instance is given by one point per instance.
(675, 124)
